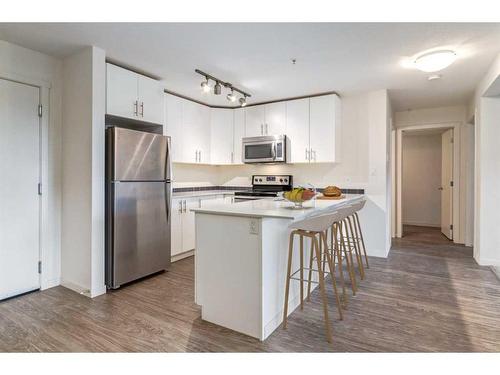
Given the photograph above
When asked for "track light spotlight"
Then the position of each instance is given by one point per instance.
(217, 88)
(243, 101)
(231, 97)
(205, 86)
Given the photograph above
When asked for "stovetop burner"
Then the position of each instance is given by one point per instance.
(267, 186)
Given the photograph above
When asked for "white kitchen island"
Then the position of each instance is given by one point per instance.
(240, 262)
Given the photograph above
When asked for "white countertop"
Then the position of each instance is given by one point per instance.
(274, 208)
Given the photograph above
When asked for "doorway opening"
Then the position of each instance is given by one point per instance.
(427, 181)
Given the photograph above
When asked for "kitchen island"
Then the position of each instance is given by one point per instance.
(240, 262)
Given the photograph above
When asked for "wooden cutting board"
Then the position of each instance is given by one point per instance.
(322, 197)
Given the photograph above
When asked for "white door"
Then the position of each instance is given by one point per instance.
(239, 133)
(151, 100)
(446, 182)
(322, 128)
(176, 227)
(254, 121)
(19, 199)
(275, 123)
(297, 129)
(121, 92)
(221, 128)
(188, 227)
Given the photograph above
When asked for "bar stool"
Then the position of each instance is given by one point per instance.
(312, 227)
(351, 237)
(357, 206)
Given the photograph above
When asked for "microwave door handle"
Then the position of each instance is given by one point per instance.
(274, 151)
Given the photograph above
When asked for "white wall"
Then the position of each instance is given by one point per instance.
(421, 179)
(35, 68)
(365, 164)
(83, 172)
(430, 116)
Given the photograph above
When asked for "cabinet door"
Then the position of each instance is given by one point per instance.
(204, 135)
(254, 121)
(176, 228)
(297, 129)
(229, 199)
(121, 92)
(150, 100)
(192, 119)
(239, 133)
(188, 228)
(324, 131)
(275, 122)
(173, 127)
(212, 200)
(221, 128)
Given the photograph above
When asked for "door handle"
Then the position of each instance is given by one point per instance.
(180, 207)
(307, 155)
(196, 155)
(313, 152)
(267, 130)
(135, 108)
(261, 129)
(142, 109)
(199, 156)
(184, 203)
(232, 157)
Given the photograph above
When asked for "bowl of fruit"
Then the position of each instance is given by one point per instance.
(299, 195)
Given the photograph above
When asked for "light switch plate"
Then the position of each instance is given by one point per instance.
(254, 227)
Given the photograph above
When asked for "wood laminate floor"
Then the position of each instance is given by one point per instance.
(428, 295)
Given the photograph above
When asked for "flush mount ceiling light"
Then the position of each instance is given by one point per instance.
(218, 88)
(435, 61)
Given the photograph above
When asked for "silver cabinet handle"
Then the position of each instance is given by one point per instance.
(232, 157)
(142, 109)
(184, 203)
(135, 108)
(199, 156)
(180, 207)
(313, 152)
(267, 131)
(261, 129)
(307, 154)
(196, 155)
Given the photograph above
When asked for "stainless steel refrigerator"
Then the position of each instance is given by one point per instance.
(138, 204)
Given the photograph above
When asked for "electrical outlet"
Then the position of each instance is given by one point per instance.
(254, 227)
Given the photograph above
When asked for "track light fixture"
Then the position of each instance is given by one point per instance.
(218, 88)
(205, 86)
(231, 97)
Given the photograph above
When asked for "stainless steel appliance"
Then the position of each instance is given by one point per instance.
(265, 149)
(265, 187)
(138, 204)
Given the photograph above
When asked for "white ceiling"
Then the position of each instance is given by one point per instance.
(342, 57)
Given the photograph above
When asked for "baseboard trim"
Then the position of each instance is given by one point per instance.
(496, 271)
(47, 284)
(76, 288)
(420, 224)
(186, 254)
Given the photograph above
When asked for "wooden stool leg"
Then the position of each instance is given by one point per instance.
(361, 269)
(289, 272)
(322, 288)
(301, 272)
(332, 275)
(336, 249)
(311, 256)
(347, 259)
(361, 237)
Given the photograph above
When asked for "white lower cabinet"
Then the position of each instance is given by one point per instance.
(183, 220)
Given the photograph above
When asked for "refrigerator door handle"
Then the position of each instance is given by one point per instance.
(168, 200)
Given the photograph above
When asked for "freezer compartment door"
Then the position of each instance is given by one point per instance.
(139, 156)
(141, 230)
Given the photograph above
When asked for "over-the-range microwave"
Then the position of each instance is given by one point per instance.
(265, 149)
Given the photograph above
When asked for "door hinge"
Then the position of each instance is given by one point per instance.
(39, 189)
(451, 183)
(451, 226)
(40, 267)
(39, 110)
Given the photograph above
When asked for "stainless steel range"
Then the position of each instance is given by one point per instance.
(265, 187)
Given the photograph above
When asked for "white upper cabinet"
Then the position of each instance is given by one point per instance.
(239, 133)
(275, 118)
(325, 128)
(266, 119)
(222, 142)
(173, 127)
(297, 130)
(150, 100)
(254, 121)
(132, 95)
(121, 92)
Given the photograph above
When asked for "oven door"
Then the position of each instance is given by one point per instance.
(264, 149)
